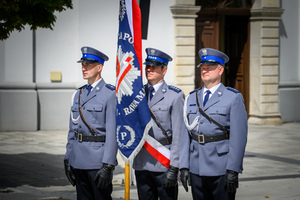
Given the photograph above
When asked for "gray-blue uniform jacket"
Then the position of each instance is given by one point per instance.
(98, 109)
(226, 106)
(166, 104)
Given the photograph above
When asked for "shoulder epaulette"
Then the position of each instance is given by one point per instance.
(176, 89)
(233, 90)
(111, 87)
(81, 87)
(195, 90)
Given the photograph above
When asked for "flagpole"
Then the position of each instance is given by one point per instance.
(127, 181)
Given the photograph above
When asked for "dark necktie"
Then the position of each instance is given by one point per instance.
(206, 97)
(89, 87)
(151, 90)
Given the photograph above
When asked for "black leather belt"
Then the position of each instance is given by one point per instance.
(88, 138)
(209, 138)
(164, 141)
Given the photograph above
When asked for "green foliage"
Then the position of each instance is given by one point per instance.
(15, 14)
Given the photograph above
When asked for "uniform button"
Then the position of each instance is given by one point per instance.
(83, 108)
(79, 126)
(201, 122)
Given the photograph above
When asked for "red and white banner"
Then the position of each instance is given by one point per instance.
(158, 151)
(133, 119)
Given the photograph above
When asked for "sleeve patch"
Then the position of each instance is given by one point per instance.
(233, 90)
(111, 87)
(176, 89)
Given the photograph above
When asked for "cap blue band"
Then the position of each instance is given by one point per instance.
(93, 57)
(158, 59)
(212, 58)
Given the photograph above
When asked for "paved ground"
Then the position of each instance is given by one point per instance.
(31, 166)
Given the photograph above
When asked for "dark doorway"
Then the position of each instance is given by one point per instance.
(226, 29)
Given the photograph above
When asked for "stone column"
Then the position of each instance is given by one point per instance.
(184, 14)
(264, 62)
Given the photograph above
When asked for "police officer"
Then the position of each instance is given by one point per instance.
(214, 136)
(91, 149)
(165, 102)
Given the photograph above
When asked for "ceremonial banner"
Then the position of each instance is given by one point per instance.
(133, 119)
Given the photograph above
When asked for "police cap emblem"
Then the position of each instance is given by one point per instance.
(84, 50)
(152, 52)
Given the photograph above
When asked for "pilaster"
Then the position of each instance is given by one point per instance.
(264, 62)
(184, 14)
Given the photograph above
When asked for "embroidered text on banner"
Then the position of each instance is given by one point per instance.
(133, 119)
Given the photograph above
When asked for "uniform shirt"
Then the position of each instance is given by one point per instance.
(156, 87)
(95, 84)
(212, 90)
(166, 105)
(98, 109)
(226, 106)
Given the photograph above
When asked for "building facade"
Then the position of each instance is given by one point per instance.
(39, 72)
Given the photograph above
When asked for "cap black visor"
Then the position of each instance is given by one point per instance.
(87, 60)
(154, 63)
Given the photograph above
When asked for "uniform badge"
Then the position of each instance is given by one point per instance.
(152, 52)
(204, 52)
(125, 136)
(85, 50)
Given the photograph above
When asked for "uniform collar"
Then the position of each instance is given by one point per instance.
(156, 86)
(96, 83)
(212, 90)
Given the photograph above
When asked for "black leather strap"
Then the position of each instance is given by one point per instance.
(88, 138)
(82, 117)
(227, 132)
(165, 141)
(161, 128)
(209, 138)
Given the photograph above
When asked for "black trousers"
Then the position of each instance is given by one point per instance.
(209, 188)
(150, 186)
(87, 189)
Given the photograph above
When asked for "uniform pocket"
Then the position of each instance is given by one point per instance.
(75, 114)
(223, 147)
(159, 108)
(96, 112)
(218, 114)
(217, 111)
(161, 112)
(192, 110)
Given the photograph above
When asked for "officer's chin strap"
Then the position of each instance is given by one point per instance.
(186, 121)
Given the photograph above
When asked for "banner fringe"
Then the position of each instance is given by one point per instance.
(139, 147)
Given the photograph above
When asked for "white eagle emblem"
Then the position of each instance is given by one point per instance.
(126, 73)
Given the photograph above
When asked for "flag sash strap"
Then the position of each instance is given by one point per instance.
(158, 151)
